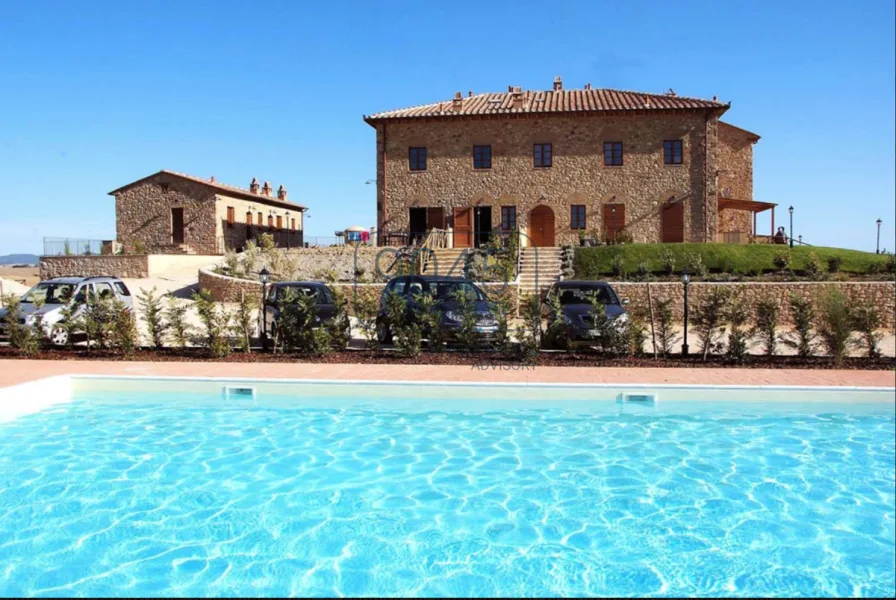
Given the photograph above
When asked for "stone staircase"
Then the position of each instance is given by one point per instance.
(539, 268)
(444, 261)
(174, 249)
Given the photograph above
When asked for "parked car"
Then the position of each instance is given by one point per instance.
(576, 308)
(324, 302)
(54, 295)
(444, 290)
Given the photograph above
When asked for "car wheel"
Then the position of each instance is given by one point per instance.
(383, 335)
(59, 337)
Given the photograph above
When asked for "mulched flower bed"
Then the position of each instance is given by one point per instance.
(481, 359)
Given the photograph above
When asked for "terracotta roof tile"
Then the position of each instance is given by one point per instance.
(222, 187)
(554, 101)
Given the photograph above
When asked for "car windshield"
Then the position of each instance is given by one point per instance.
(446, 291)
(307, 290)
(49, 293)
(583, 295)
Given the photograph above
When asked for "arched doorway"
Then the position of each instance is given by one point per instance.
(541, 226)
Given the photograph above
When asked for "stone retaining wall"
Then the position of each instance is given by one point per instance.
(880, 294)
(128, 266)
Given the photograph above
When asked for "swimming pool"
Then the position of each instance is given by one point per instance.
(370, 490)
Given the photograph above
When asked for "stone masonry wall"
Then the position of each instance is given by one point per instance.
(235, 235)
(578, 174)
(736, 174)
(880, 294)
(133, 266)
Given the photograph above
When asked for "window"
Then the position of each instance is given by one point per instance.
(270, 221)
(508, 218)
(279, 222)
(613, 154)
(103, 291)
(417, 159)
(577, 216)
(121, 288)
(260, 221)
(293, 225)
(249, 217)
(672, 152)
(482, 157)
(542, 155)
(231, 216)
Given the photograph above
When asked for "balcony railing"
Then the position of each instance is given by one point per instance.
(56, 246)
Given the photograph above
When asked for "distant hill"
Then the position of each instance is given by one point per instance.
(19, 259)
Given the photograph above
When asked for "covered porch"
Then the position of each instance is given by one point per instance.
(753, 208)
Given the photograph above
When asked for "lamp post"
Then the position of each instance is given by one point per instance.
(288, 230)
(800, 239)
(877, 251)
(263, 277)
(613, 213)
(790, 210)
(685, 280)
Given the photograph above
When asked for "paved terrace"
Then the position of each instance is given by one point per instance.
(20, 371)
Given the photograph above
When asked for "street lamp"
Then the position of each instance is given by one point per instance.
(877, 251)
(685, 280)
(800, 239)
(790, 210)
(264, 276)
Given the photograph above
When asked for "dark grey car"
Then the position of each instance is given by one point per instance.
(576, 308)
(443, 289)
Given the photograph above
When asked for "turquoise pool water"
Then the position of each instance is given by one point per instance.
(153, 497)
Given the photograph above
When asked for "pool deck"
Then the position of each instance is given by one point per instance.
(19, 371)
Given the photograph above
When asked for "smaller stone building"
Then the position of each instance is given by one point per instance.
(173, 213)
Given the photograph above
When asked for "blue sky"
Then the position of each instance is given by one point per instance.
(97, 94)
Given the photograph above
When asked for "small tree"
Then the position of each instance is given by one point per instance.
(244, 321)
(297, 326)
(617, 265)
(709, 314)
(835, 323)
(834, 264)
(867, 321)
(21, 336)
(802, 338)
(610, 335)
(814, 269)
(767, 316)
(694, 262)
(556, 336)
(123, 335)
(215, 324)
(500, 309)
(71, 322)
(367, 308)
(528, 333)
(737, 314)
(339, 327)
(667, 337)
(99, 321)
(179, 330)
(667, 258)
(154, 315)
(430, 321)
(466, 309)
(782, 260)
(406, 334)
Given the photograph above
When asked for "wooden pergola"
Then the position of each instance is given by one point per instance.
(752, 206)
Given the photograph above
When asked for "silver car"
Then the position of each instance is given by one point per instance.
(53, 295)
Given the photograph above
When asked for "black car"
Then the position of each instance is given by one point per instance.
(325, 302)
(444, 290)
(575, 305)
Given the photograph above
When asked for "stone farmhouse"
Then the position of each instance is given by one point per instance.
(560, 163)
(173, 213)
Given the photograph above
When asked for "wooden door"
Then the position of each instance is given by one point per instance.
(177, 225)
(435, 217)
(614, 220)
(541, 227)
(463, 227)
(673, 223)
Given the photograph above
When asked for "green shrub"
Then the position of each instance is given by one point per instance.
(767, 317)
(179, 330)
(123, 336)
(867, 320)
(782, 260)
(99, 321)
(835, 323)
(21, 337)
(618, 266)
(694, 263)
(666, 335)
(813, 267)
(643, 270)
(556, 337)
(139, 247)
(667, 259)
(528, 334)
(406, 335)
(326, 275)
(339, 327)
(244, 321)
(467, 336)
(709, 314)
(154, 315)
(367, 308)
(834, 263)
(500, 309)
(297, 328)
(802, 338)
(737, 314)
(215, 324)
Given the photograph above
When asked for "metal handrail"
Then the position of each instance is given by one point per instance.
(435, 239)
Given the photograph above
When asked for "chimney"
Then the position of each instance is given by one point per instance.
(558, 83)
(470, 94)
(458, 101)
(671, 92)
(212, 178)
(587, 86)
(517, 97)
(253, 187)
(715, 98)
(281, 193)
(509, 88)
(266, 189)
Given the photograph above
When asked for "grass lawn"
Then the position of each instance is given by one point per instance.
(747, 259)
